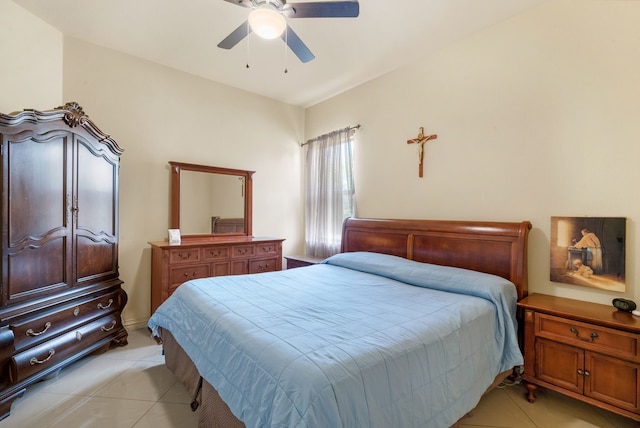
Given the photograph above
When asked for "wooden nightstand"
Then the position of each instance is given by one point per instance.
(587, 351)
(300, 261)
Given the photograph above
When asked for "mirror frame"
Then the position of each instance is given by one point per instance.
(177, 167)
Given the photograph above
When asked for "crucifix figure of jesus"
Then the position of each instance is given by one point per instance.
(419, 141)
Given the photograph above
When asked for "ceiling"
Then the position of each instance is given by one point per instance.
(183, 34)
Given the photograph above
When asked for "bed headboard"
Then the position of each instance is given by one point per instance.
(498, 248)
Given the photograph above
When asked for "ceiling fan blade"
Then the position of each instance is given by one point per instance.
(297, 45)
(236, 35)
(328, 9)
(243, 3)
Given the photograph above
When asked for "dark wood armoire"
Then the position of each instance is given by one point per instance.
(60, 295)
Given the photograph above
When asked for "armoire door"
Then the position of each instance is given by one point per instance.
(95, 209)
(36, 216)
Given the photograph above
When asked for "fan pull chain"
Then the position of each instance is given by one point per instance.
(248, 43)
(286, 50)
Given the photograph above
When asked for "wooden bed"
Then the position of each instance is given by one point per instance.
(498, 248)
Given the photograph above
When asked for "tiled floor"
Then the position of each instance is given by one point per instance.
(131, 387)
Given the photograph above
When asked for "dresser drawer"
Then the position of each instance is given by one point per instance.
(588, 336)
(49, 354)
(178, 275)
(243, 250)
(215, 253)
(184, 255)
(267, 249)
(262, 265)
(32, 331)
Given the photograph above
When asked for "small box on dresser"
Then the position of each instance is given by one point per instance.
(585, 350)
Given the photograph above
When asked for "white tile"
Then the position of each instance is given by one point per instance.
(496, 409)
(177, 394)
(100, 412)
(169, 415)
(145, 380)
(37, 409)
(140, 344)
(552, 410)
(85, 377)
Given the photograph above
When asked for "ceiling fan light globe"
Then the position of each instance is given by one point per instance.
(267, 23)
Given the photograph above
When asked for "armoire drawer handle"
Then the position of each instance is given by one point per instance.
(30, 332)
(592, 338)
(35, 361)
(109, 328)
(101, 306)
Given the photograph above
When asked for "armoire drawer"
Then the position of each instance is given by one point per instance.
(31, 331)
(178, 275)
(262, 265)
(50, 353)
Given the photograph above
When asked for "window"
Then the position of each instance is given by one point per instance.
(330, 193)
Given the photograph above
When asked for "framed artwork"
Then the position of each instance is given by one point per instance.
(589, 251)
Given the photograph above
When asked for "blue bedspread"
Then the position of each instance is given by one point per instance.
(361, 340)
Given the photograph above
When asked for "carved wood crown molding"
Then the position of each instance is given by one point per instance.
(74, 115)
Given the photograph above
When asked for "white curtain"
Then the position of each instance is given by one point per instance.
(330, 193)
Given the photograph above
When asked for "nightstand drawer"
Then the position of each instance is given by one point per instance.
(588, 336)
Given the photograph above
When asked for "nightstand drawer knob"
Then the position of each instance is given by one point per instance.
(592, 338)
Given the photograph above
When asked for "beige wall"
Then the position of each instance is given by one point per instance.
(536, 117)
(157, 114)
(31, 52)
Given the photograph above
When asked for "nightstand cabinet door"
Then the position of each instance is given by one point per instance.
(612, 381)
(560, 365)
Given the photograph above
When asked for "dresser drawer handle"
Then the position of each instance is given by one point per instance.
(182, 256)
(35, 361)
(264, 267)
(30, 332)
(101, 306)
(109, 328)
(593, 337)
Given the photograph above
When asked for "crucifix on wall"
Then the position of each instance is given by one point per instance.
(419, 141)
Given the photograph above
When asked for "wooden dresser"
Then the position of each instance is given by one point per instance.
(171, 265)
(60, 296)
(588, 351)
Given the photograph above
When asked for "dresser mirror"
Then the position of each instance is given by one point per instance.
(209, 200)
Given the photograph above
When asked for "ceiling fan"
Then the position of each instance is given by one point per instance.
(267, 19)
